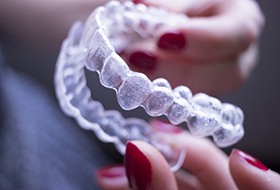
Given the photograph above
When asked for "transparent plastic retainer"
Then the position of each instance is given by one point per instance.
(94, 46)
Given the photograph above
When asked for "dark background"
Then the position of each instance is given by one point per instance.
(259, 97)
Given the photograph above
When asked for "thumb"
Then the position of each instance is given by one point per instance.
(250, 173)
(146, 168)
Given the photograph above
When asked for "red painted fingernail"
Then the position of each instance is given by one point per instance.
(138, 168)
(113, 171)
(251, 160)
(165, 127)
(137, 1)
(172, 41)
(143, 60)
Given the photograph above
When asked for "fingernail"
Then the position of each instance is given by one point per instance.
(138, 168)
(137, 1)
(251, 160)
(165, 127)
(172, 41)
(113, 171)
(143, 60)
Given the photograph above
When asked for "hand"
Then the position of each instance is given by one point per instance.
(205, 167)
(213, 53)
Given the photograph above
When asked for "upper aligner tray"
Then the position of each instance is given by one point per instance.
(108, 30)
(117, 23)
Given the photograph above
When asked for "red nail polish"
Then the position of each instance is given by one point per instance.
(251, 160)
(138, 168)
(137, 1)
(165, 127)
(113, 171)
(172, 41)
(143, 60)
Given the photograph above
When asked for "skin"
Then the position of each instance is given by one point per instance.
(199, 172)
(217, 59)
(222, 44)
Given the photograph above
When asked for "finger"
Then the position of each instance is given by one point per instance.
(207, 164)
(220, 29)
(146, 168)
(186, 180)
(112, 178)
(204, 160)
(199, 77)
(250, 173)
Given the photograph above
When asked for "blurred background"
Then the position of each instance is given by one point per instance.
(259, 97)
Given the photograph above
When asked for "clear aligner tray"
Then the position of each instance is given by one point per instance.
(94, 46)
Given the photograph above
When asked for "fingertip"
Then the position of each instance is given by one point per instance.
(249, 159)
(112, 171)
(112, 177)
(142, 56)
(172, 41)
(146, 168)
(250, 173)
(137, 1)
(143, 60)
(138, 167)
